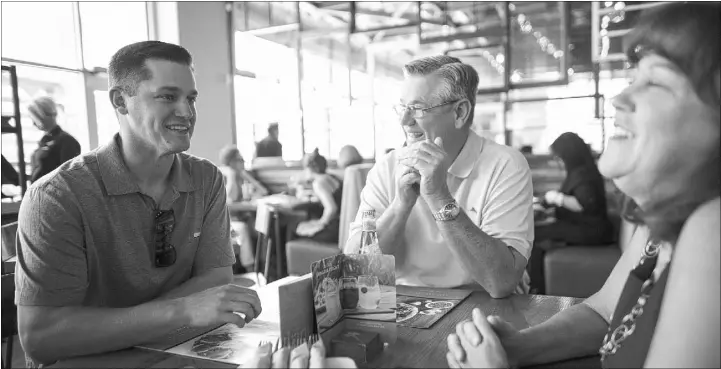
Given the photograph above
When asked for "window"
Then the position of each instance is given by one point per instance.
(266, 93)
(68, 91)
(43, 40)
(40, 32)
(108, 26)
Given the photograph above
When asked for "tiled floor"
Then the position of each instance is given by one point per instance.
(18, 354)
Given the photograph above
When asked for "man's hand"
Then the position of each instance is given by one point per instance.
(220, 304)
(507, 335)
(407, 181)
(432, 162)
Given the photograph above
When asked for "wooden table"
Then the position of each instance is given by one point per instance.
(415, 348)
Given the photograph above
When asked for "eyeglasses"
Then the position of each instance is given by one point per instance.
(417, 112)
(165, 254)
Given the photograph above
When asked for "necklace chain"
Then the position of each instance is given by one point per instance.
(613, 339)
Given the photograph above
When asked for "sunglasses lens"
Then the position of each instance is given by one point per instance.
(166, 257)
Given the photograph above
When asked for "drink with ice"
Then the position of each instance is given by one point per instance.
(369, 292)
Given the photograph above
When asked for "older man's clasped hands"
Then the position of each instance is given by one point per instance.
(427, 165)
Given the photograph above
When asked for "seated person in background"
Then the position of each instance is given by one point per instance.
(348, 156)
(329, 190)
(661, 305)
(269, 146)
(581, 214)
(56, 146)
(130, 242)
(9, 174)
(240, 185)
(454, 208)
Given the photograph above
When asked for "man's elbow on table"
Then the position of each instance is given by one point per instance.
(34, 338)
(501, 290)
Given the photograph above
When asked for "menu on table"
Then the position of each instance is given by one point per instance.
(287, 314)
(421, 307)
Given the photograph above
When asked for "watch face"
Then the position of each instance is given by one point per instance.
(450, 210)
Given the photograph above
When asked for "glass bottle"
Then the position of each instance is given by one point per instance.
(369, 236)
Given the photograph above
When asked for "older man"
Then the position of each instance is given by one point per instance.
(131, 241)
(455, 209)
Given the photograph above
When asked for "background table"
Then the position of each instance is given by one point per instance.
(415, 348)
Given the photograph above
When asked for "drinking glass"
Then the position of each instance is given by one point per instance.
(369, 292)
(349, 292)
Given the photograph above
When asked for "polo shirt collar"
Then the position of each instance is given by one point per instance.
(117, 178)
(466, 160)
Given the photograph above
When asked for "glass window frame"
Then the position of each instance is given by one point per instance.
(94, 79)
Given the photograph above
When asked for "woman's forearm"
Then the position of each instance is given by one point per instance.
(571, 203)
(575, 332)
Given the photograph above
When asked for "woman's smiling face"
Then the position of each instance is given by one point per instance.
(663, 133)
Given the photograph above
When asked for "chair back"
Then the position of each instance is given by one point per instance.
(9, 232)
(354, 179)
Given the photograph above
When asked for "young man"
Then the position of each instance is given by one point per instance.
(131, 241)
(455, 209)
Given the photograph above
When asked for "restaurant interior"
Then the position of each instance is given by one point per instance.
(327, 75)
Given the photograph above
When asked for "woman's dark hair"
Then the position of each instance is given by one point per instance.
(688, 35)
(315, 162)
(573, 150)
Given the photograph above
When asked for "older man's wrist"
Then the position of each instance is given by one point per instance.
(437, 202)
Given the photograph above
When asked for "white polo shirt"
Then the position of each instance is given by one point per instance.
(492, 185)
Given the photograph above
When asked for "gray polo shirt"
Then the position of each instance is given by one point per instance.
(86, 235)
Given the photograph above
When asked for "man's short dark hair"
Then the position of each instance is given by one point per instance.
(127, 67)
(272, 127)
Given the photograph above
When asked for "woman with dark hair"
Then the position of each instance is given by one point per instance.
(580, 206)
(661, 304)
(581, 212)
(328, 189)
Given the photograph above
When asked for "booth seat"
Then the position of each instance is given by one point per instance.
(302, 252)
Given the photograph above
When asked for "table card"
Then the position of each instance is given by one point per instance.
(355, 293)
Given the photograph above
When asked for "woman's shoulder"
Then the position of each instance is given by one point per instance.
(699, 237)
(706, 218)
(326, 180)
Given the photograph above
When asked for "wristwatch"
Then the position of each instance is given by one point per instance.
(449, 211)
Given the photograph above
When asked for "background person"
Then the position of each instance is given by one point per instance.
(269, 146)
(329, 190)
(56, 146)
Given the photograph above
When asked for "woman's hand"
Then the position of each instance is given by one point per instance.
(477, 345)
(309, 228)
(554, 198)
(299, 357)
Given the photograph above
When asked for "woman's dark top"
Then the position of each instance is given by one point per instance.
(330, 232)
(633, 350)
(586, 185)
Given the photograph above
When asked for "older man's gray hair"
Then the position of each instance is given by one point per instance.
(460, 81)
